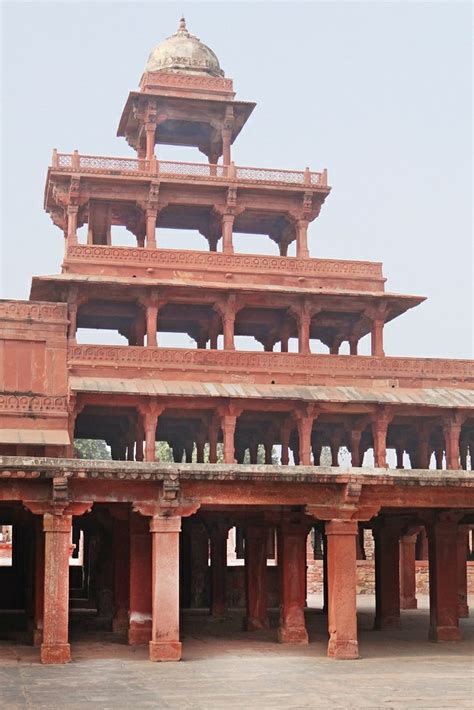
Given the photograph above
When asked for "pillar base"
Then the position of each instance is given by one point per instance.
(139, 634)
(292, 635)
(386, 622)
(343, 650)
(463, 611)
(165, 650)
(444, 633)
(254, 624)
(409, 603)
(53, 653)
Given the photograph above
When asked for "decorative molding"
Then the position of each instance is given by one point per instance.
(330, 365)
(287, 266)
(31, 311)
(32, 403)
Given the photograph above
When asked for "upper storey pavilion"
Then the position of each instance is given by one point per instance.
(184, 99)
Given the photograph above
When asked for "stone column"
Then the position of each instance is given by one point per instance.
(213, 436)
(150, 130)
(452, 432)
(285, 443)
(408, 571)
(227, 226)
(121, 572)
(443, 574)
(462, 547)
(387, 575)
(228, 322)
(353, 343)
(256, 537)
(150, 415)
(229, 422)
(139, 631)
(377, 337)
(304, 323)
(302, 250)
(380, 424)
(218, 553)
(39, 583)
(305, 427)
(165, 644)
(151, 215)
(226, 142)
(72, 212)
(292, 575)
(356, 459)
(55, 646)
(342, 588)
(151, 324)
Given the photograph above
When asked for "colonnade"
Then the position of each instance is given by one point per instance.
(146, 579)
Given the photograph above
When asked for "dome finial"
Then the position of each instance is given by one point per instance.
(182, 24)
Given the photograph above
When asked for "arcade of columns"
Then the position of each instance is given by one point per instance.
(136, 538)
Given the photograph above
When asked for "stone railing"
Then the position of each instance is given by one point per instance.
(138, 166)
(283, 366)
(213, 262)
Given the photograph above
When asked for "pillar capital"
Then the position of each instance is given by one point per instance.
(162, 511)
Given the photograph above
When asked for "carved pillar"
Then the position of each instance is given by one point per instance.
(150, 416)
(423, 452)
(387, 575)
(292, 575)
(462, 547)
(39, 583)
(304, 324)
(334, 446)
(439, 453)
(72, 212)
(377, 337)
(443, 573)
(139, 631)
(227, 226)
(229, 422)
(151, 215)
(452, 432)
(57, 531)
(356, 459)
(228, 319)
(121, 572)
(342, 588)
(213, 436)
(305, 427)
(285, 442)
(408, 571)
(256, 537)
(353, 344)
(380, 424)
(150, 130)
(151, 323)
(226, 142)
(165, 644)
(302, 250)
(72, 315)
(218, 553)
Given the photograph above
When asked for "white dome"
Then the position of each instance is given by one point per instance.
(184, 53)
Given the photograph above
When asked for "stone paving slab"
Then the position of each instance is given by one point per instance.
(224, 668)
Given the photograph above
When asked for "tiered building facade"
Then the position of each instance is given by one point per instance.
(152, 536)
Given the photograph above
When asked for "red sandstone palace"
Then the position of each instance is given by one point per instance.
(135, 538)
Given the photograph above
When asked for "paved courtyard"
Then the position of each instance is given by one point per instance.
(224, 667)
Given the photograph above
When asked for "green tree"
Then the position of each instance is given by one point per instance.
(91, 449)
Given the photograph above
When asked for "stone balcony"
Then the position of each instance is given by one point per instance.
(151, 363)
(200, 172)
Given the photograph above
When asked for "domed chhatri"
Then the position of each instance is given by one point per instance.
(184, 53)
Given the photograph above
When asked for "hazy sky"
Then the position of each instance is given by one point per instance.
(379, 93)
